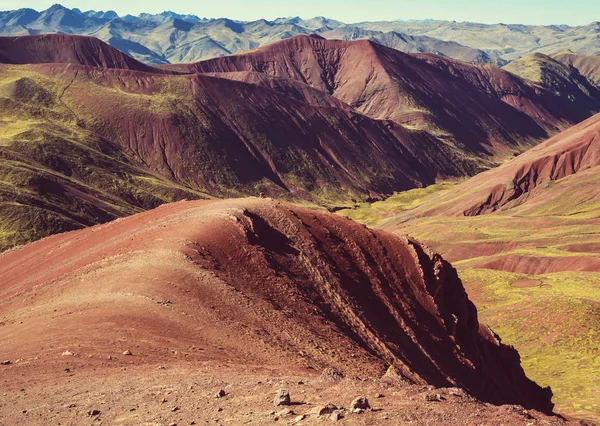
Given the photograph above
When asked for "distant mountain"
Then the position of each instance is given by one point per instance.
(505, 41)
(170, 37)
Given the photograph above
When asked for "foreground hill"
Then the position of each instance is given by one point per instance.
(525, 239)
(252, 282)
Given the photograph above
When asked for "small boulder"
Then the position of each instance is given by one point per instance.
(361, 402)
(358, 411)
(282, 398)
(299, 418)
(6, 362)
(220, 394)
(127, 353)
(392, 376)
(93, 413)
(336, 415)
(331, 375)
(321, 410)
(285, 412)
(67, 353)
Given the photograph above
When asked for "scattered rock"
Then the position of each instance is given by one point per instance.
(321, 410)
(299, 418)
(220, 394)
(174, 409)
(458, 392)
(93, 413)
(392, 376)
(358, 411)
(336, 415)
(67, 353)
(517, 409)
(434, 397)
(6, 362)
(282, 398)
(127, 352)
(361, 402)
(379, 395)
(286, 412)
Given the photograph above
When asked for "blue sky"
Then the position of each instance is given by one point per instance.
(572, 12)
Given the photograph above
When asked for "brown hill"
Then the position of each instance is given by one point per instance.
(480, 109)
(587, 65)
(329, 122)
(251, 282)
(68, 49)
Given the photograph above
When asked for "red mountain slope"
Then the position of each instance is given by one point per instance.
(481, 109)
(230, 137)
(534, 177)
(64, 48)
(253, 281)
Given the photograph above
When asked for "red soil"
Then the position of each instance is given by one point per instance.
(247, 283)
(526, 283)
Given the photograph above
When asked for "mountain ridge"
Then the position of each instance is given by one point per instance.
(147, 32)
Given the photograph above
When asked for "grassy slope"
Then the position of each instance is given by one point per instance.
(554, 325)
(55, 175)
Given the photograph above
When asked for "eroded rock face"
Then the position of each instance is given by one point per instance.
(574, 150)
(271, 283)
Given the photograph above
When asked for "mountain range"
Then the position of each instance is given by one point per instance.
(306, 118)
(174, 38)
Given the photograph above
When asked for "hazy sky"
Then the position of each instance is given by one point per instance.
(572, 12)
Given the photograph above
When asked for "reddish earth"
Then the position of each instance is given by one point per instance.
(534, 265)
(241, 284)
(526, 283)
(64, 48)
